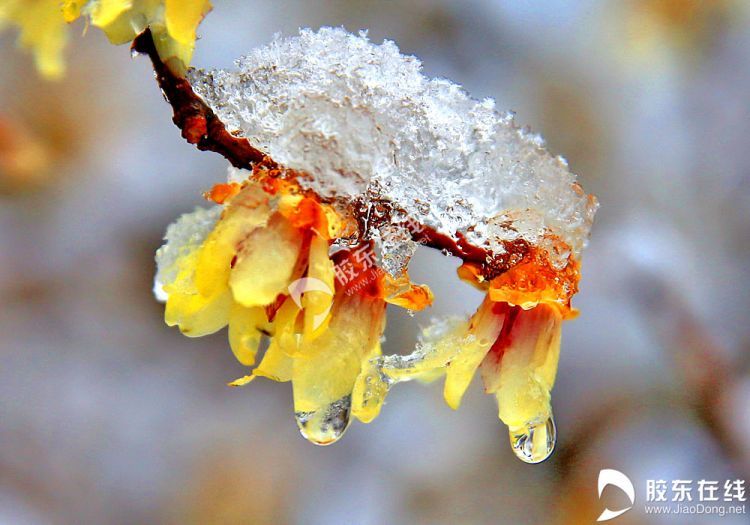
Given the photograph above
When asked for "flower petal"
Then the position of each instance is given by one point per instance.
(484, 327)
(197, 316)
(265, 263)
(183, 16)
(104, 12)
(42, 30)
(244, 332)
(285, 329)
(177, 261)
(71, 9)
(318, 296)
(118, 20)
(194, 313)
(242, 381)
(275, 365)
(187, 234)
(247, 211)
(325, 371)
(521, 372)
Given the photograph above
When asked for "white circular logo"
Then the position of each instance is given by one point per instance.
(310, 284)
(621, 481)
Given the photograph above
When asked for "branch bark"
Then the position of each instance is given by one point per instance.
(199, 124)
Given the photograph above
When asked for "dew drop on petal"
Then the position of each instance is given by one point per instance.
(327, 425)
(534, 442)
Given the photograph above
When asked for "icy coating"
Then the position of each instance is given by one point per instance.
(361, 118)
(184, 235)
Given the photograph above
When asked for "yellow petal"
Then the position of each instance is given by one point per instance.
(183, 16)
(275, 365)
(484, 327)
(245, 212)
(104, 12)
(265, 263)
(244, 332)
(277, 361)
(42, 30)
(242, 381)
(72, 9)
(461, 371)
(194, 313)
(523, 377)
(319, 289)
(325, 372)
(122, 20)
(285, 329)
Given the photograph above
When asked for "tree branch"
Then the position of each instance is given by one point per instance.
(199, 124)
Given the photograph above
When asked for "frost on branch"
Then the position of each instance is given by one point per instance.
(362, 120)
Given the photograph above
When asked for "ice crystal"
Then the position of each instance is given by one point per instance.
(361, 119)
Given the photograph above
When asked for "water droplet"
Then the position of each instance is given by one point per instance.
(535, 442)
(327, 425)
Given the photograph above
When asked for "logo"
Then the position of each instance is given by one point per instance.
(310, 284)
(622, 482)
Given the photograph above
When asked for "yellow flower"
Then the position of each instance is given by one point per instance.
(265, 268)
(42, 26)
(513, 339)
(42, 31)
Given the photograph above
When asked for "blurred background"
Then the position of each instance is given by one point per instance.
(108, 416)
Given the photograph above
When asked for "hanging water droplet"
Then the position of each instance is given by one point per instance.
(535, 442)
(327, 425)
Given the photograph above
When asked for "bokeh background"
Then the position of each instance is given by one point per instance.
(108, 416)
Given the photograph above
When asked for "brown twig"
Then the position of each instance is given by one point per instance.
(199, 124)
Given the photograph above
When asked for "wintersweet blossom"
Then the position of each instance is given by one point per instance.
(361, 159)
(261, 264)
